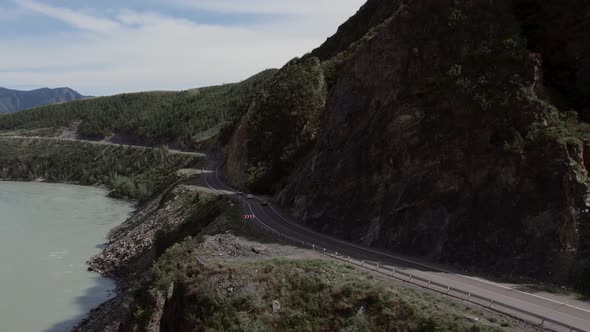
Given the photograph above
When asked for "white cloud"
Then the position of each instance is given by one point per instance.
(136, 51)
(286, 7)
(76, 19)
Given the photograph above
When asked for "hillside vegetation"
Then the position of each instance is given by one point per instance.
(150, 117)
(281, 123)
(284, 120)
(129, 173)
(211, 271)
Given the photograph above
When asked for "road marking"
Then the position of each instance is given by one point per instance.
(204, 177)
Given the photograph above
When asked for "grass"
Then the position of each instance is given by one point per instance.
(313, 294)
(209, 133)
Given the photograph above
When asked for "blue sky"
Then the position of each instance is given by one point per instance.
(111, 46)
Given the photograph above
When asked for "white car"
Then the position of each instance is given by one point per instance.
(250, 196)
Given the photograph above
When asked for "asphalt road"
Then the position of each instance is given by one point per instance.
(58, 139)
(559, 308)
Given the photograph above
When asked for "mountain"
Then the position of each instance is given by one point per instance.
(452, 130)
(448, 129)
(13, 100)
(157, 117)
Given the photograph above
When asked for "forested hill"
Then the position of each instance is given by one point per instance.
(150, 117)
(14, 100)
(130, 173)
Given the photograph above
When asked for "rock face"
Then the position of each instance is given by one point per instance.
(279, 127)
(135, 245)
(439, 138)
(558, 30)
(373, 13)
(13, 100)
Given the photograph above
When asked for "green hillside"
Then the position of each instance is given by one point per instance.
(128, 172)
(152, 117)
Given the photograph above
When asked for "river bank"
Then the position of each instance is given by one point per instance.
(186, 260)
(183, 240)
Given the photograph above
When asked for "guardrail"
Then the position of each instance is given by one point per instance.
(419, 281)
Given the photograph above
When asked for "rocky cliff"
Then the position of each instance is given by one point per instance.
(448, 130)
(558, 30)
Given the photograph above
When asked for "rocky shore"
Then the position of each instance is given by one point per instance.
(186, 261)
(131, 251)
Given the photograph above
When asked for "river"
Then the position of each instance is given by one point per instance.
(47, 233)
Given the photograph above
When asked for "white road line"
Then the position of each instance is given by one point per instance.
(204, 177)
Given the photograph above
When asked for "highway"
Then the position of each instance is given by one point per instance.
(140, 147)
(573, 315)
(553, 311)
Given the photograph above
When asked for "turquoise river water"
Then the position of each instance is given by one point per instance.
(47, 233)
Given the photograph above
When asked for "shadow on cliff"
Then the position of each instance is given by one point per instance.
(91, 299)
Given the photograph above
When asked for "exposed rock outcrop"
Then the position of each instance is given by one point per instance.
(439, 138)
(137, 243)
(558, 30)
(371, 14)
(279, 128)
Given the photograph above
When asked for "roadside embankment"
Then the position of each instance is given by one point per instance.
(187, 261)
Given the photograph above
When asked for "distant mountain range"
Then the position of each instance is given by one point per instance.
(13, 100)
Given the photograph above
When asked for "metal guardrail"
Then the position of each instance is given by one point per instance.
(428, 284)
(418, 281)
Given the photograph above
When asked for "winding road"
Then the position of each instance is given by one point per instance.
(60, 139)
(555, 312)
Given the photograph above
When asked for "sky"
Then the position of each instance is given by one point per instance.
(104, 47)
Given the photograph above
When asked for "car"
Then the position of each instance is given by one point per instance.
(250, 196)
(264, 203)
(239, 193)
